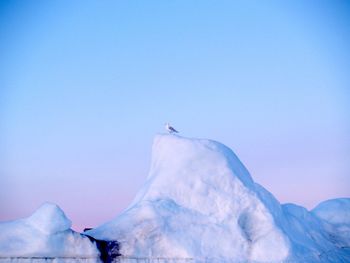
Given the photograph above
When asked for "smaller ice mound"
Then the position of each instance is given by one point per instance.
(49, 219)
(308, 233)
(46, 233)
(336, 212)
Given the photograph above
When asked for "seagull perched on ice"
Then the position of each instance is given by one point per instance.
(170, 129)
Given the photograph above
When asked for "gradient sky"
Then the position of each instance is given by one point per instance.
(85, 86)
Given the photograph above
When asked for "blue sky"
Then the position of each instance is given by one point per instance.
(85, 85)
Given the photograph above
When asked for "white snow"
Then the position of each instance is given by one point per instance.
(200, 202)
(46, 233)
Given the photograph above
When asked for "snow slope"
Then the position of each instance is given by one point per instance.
(46, 233)
(200, 202)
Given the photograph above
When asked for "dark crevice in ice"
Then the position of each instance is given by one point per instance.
(109, 250)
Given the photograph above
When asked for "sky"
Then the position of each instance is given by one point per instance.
(86, 85)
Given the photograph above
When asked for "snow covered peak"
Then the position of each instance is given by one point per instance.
(173, 151)
(49, 219)
(187, 170)
(198, 201)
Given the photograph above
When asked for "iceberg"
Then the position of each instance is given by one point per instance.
(45, 234)
(199, 202)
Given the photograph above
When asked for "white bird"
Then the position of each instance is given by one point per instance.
(170, 129)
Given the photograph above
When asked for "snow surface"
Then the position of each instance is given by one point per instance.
(200, 202)
(46, 233)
